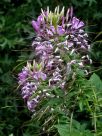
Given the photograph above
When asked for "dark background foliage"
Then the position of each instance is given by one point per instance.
(16, 35)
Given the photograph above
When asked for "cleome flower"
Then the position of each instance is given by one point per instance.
(50, 25)
(60, 47)
(29, 79)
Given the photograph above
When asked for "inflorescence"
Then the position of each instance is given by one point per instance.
(61, 46)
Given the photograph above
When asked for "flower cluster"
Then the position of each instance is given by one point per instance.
(29, 79)
(53, 25)
(60, 44)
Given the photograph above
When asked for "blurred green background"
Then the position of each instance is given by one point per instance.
(16, 36)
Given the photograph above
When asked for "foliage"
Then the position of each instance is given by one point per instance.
(78, 112)
(16, 35)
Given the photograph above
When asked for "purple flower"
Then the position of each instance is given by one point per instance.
(49, 64)
(49, 32)
(31, 104)
(76, 23)
(56, 78)
(35, 25)
(52, 28)
(39, 75)
(40, 20)
(28, 90)
(23, 75)
(43, 47)
(60, 30)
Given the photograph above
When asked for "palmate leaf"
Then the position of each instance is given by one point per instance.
(72, 128)
(96, 82)
(64, 130)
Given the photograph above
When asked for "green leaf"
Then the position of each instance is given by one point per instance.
(96, 82)
(63, 130)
